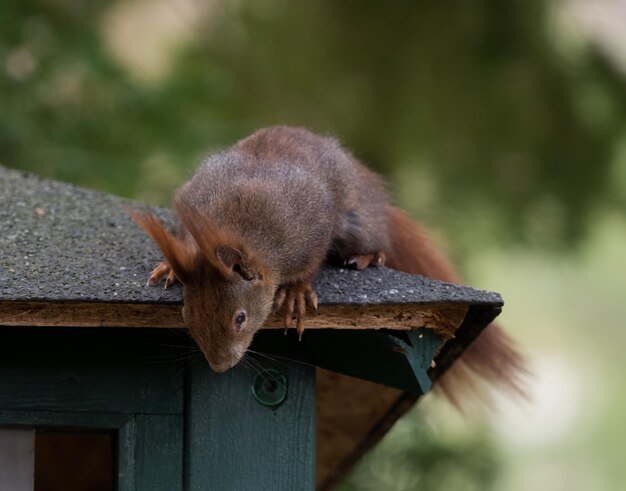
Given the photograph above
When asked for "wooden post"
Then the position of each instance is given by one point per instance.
(236, 442)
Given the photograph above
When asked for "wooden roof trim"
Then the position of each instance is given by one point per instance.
(444, 318)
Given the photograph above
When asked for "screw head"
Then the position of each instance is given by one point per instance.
(270, 387)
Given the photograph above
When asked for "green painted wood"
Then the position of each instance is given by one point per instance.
(159, 453)
(419, 350)
(390, 358)
(235, 443)
(150, 447)
(121, 371)
(126, 464)
(67, 420)
(131, 382)
(150, 453)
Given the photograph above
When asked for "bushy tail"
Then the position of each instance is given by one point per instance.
(492, 358)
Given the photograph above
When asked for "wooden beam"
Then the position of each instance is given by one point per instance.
(444, 318)
(89, 314)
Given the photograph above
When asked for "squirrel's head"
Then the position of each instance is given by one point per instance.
(228, 292)
(224, 306)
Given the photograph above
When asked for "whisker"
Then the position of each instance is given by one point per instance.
(183, 369)
(271, 358)
(169, 345)
(278, 362)
(282, 358)
(248, 363)
(170, 358)
(266, 376)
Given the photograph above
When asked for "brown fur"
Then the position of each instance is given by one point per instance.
(179, 255)
(262, 216)
(213, 240)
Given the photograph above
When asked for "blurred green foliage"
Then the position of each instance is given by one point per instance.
(488, 121)
(475, 112)
(419, 457)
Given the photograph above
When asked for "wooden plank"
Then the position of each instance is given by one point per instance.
(420, 351)
(347, 428)
(234, 442)
(64, 389)
(129, 380)
(106, 371)
(376, 356)
(66, 420)
(159, 453)
(89, 314)
(475, 321)
(444, 318)
(150, 448)
(17, 459)
(126, 445)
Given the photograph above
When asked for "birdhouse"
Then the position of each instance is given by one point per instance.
(102, 388)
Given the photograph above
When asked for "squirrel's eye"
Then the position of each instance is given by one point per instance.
(240, 319)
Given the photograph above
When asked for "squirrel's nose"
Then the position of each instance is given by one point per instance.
(218, 368)
(221, 367)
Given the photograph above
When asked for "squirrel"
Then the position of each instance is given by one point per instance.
(258, 220)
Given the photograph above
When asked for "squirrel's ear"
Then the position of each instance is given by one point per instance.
(178, 255)
(229, 256)
(221, 247)
(233, 260)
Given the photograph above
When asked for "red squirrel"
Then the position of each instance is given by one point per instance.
(257, 221)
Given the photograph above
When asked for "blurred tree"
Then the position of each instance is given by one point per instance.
(471, 99)
(470, 110)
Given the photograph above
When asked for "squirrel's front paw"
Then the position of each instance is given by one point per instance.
(292, 300)
(364, 260)
(162, 270)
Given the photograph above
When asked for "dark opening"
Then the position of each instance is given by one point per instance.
(74, 461)
(270, 385)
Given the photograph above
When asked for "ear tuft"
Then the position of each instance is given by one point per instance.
(178, 254)
(223, 249)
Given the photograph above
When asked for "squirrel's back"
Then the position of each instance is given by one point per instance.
(359, 196)
(315, 197)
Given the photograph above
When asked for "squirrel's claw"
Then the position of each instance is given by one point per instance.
(170, 280)
(293, 300)
(311, 300)
(362, 261)
(289, 308)
(161, 271)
